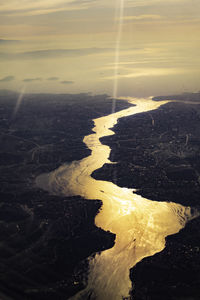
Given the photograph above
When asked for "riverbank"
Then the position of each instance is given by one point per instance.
(44, 237)
(158, 153)
(140, 225)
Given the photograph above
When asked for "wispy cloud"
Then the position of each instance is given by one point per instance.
(7, 78)
(55, 53)
(53, 78)
(66, 82)
(138, 3)
(149, 72)
(2, 41)
(142, 17)
(32, 79)
(32, 7)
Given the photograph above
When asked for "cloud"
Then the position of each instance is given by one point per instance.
(55, 53)
(142, 17)
(32, 79)
(142, 3)
(149, 72)
(32, 7)
(67, 82)
(2, 41)
(7, 78)
(39, 7)
(53, 78)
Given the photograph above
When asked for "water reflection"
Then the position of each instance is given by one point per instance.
(140, 225)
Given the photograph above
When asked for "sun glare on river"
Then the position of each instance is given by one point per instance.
(140, 225)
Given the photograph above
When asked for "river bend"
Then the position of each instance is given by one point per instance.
(140, 224)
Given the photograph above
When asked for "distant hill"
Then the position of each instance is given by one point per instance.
(5, 92)
(191, 97)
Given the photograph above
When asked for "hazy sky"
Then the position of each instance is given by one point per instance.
(69, 46)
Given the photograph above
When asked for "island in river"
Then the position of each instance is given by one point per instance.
(44, 247)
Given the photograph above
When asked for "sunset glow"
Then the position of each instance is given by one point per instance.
(70, 46)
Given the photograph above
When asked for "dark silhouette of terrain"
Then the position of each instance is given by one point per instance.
(190, 97)
(158, 153)
(45, 239)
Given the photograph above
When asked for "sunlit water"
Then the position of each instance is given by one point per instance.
(140, 225)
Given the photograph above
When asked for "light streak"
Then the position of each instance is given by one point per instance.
(120, 17)
(19, 101)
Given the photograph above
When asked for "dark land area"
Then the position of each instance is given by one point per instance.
(190, 97)
(45, 239)
(158, 153)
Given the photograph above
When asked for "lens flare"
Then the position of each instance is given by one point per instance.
(19, 101)
(120, 18)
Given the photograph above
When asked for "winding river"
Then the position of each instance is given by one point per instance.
(140, 225)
